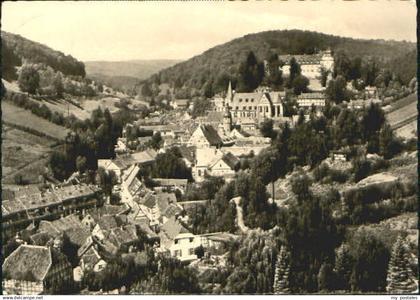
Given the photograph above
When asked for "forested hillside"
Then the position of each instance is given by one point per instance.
(16, 50)
(405, 65)
(210, 71)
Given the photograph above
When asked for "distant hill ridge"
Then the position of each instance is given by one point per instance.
(140, 69)
(220, 63)
(124, 75)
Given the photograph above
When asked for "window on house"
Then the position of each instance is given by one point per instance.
(176, 241)
(191, 251)
(199, 172)
(191, 240)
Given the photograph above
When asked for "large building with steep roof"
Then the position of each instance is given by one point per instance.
(33, 205)
(34, 270)
(206, 136)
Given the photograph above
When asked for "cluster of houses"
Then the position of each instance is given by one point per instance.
(96, 234)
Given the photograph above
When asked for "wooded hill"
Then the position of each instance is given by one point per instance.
(15, 50)
(216, 66)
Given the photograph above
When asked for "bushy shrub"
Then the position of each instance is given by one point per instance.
(361, 169)
(321, 172)
(379, 165)
(338, 176)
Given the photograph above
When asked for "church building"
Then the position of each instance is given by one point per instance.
(258, 105)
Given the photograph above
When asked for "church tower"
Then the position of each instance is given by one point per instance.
(227, 117)
(227, 120)
(229, 94)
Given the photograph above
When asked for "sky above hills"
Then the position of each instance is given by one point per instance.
(117, 31)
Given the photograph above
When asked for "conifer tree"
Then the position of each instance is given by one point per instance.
(343, 267)
(281, 276)
(400, 279)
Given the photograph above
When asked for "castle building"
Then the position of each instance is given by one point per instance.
(310, 65)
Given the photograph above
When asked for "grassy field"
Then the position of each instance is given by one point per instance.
(403, 102)
(107, 102)
(407, 131)
(23, 153)
(65, 108)
(402, 114)
(17, 116)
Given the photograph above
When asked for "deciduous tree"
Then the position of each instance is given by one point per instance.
(28, 79)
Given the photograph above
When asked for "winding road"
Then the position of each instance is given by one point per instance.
(239, 215)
